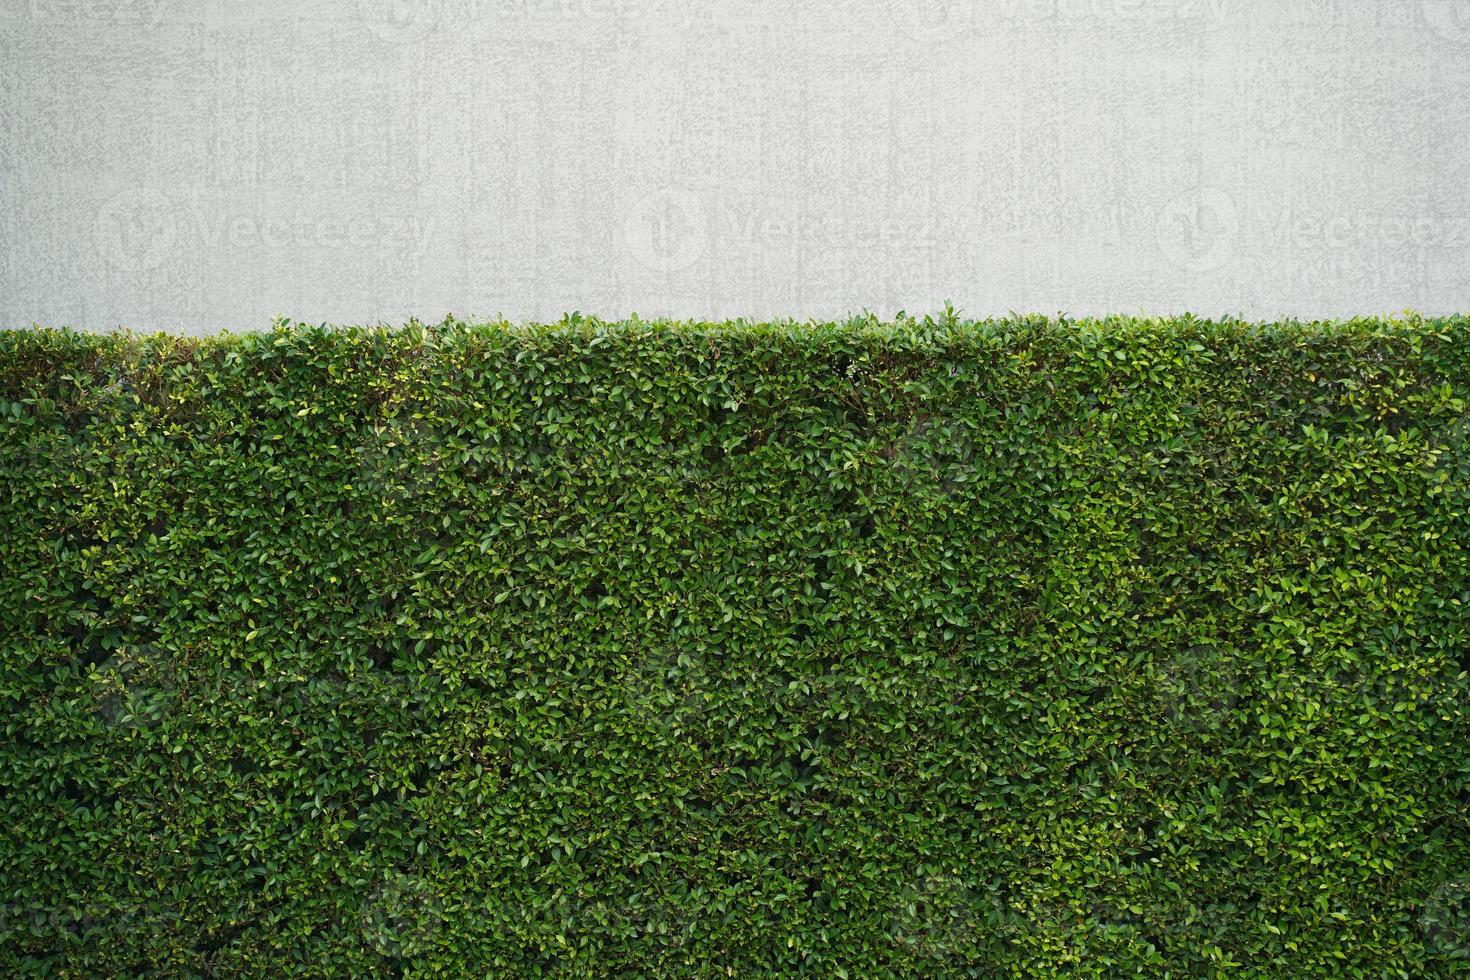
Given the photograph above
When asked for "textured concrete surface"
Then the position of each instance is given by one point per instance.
(201, 164)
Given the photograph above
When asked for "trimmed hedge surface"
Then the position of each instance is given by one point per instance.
(928, 648)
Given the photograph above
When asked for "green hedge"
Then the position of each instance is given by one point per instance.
(925, 648)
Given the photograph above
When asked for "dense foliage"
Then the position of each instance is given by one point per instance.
(919, 649)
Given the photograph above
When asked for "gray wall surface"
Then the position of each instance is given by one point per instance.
(203, 164)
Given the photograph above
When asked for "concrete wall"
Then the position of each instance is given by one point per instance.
(202, 164)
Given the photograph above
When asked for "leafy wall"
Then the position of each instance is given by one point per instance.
(928, 648)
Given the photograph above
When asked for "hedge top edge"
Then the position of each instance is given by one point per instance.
(947, 325)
